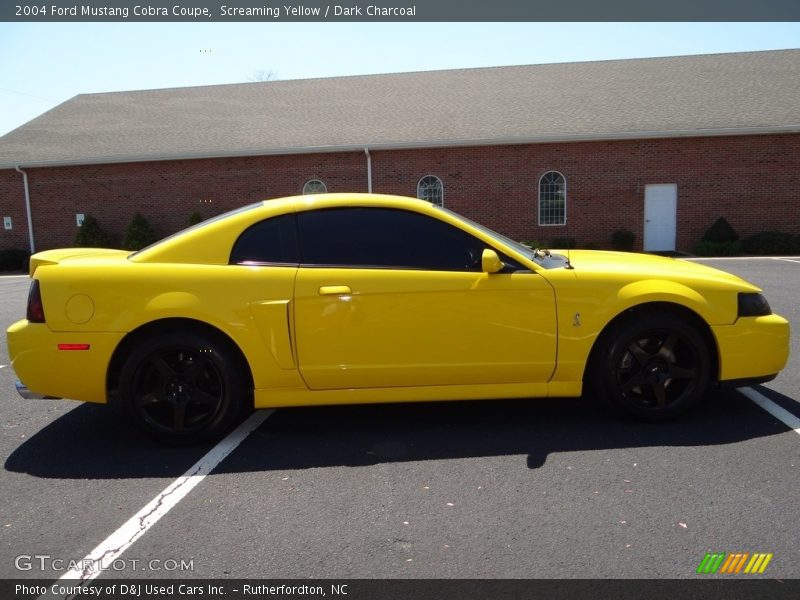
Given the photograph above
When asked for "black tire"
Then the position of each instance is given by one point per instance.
(650, 366)
(185, 388)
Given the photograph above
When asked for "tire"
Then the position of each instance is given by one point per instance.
(652, 367)
(184, 388)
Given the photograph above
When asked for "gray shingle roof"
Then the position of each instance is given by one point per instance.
(651, 97)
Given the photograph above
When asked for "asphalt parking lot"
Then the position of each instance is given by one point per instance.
(503, 489)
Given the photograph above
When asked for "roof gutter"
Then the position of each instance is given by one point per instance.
(369, 170)
(415, 145)
(28, 208)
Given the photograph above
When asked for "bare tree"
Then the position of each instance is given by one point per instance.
(263, 75)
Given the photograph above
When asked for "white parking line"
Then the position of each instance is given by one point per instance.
(3, 366)
(123, 538)
(787, 260)
(775, 410)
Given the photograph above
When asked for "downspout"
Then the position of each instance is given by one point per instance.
(28, 208)
(369, 170)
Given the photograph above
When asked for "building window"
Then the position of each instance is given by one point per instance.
(314, 186)
(430, 188)
(552, 199)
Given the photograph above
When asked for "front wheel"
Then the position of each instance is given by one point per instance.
(184, 388)
(652, 367)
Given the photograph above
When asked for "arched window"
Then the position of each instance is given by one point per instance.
(552, 199)
(430, 188)
(314, 186)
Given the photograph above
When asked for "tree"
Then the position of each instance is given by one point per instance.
(263, 75)
(139, 233)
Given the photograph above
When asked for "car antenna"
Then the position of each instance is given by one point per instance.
(569, 264)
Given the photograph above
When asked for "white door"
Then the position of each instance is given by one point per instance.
(660, 211)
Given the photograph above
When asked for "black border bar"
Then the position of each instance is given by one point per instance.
(206, 11)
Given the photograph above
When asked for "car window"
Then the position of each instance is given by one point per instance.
(385, 238)
(271, 241)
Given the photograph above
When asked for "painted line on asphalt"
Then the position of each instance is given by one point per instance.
(3, 366)
(109, 550)
(787, 260)
(12, 276)
(775, 410)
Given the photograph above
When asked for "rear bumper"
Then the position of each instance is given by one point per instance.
(752, 349)
(23, 391)
(46, 371)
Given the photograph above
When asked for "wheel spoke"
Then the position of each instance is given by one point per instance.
(204, 398)
(179, 417)
(682, 373)
(660, 391)
(166, 371)
(668, 345)
(196, 368)
(639, 353)
(636, 380)
(147, 399)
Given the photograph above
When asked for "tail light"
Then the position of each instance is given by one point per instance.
(35, 306)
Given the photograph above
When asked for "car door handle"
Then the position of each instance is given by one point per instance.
(334, 290)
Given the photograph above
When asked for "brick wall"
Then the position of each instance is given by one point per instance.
(753, 181)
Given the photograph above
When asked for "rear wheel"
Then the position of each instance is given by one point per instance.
(184, 388)
(651, 366)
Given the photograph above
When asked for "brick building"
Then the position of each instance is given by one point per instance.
(660, 146)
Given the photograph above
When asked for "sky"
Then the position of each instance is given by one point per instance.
(45, 64)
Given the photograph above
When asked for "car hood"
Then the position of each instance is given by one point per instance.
(650, 266)
(54, 257)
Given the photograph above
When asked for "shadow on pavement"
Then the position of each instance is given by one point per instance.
(94, 442)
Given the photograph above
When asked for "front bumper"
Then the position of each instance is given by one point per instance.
(753, 348)
(23, 391)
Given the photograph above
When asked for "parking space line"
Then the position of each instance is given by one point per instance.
(775, 410)
(787, 260)
(123, 538)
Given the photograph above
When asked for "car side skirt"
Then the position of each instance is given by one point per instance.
(275, 398)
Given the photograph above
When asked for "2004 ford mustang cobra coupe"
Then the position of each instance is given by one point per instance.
(348, 298)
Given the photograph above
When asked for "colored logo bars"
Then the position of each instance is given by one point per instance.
(734, 563)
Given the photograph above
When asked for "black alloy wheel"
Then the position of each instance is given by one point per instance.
(184, 388)
(652, 367)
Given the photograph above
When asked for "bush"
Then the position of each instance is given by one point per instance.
(533, 244)
(708, 248)
(563, 242)
(91, 235)
(623, 239)
(14, 259)
(771, 242)
(138, 234)
(195, 218)
(720, 232)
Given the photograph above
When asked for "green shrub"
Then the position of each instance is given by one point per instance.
(195, 218)
(139, 233)
(14, 259)
(91, 235)
(771, 242)
(721, 231)
(708, 248)
(563, 242)
(533, 244)
(623, 239)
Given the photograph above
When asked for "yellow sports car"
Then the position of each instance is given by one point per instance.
(355, 298)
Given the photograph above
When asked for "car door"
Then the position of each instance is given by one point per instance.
(393, 298)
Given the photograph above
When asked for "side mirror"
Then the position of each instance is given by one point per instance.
(490, 262)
